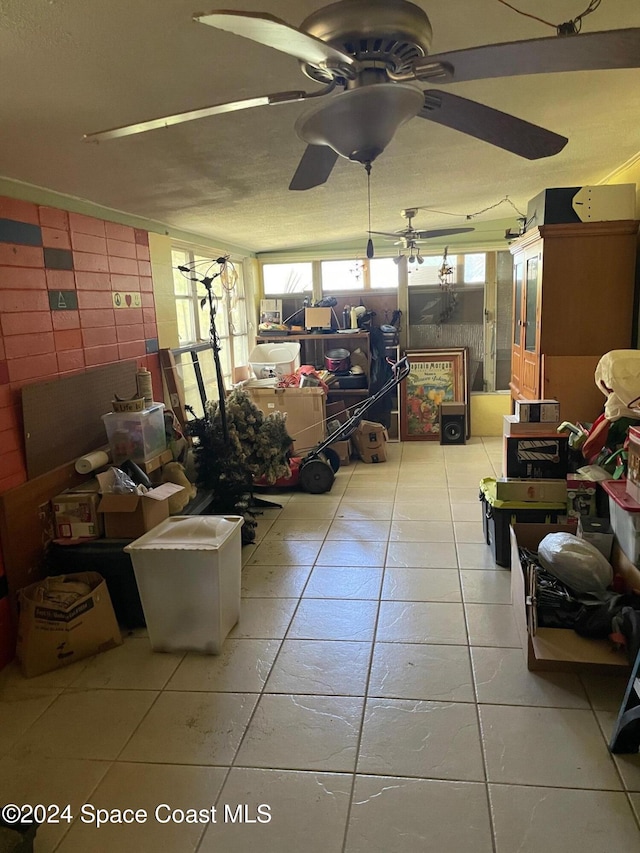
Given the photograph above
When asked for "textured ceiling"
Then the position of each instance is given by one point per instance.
(73, 66)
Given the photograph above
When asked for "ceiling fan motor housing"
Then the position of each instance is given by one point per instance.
(393, 32)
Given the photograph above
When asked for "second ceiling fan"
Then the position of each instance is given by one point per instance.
(409, 238)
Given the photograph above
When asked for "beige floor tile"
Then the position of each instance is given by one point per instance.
(294, 732)
(475, 556)
(634, 799)
(266, 618)
(466, 511)
(422, 510)
(20, 707)
(485, 587)
(345, 553)
(352, 508)
(552, 820)
(420, 671)
(93, 724)
(467, 481)
(192, 728)
(469, 531)
(421, 622)
(308, 812)
(272, 552)
(605, 692)
(417, 815)
(363, 530)
(274, 581)
(421, 585)
(628, 764)
(468, 495)
(421, 555)
(321, 667)
(502, 678)
(241, 667)
(554, 747)
(37, 780)
(344, 582)
(333, 619)
(263, 525)
(421, 531)
(381, 493)
(299, 528)
(320, 509)
(492, 625)
(437, 740)
(54, 681)
(163, 791)
(132, 666)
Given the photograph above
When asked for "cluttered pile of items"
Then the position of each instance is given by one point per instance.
(566, 518)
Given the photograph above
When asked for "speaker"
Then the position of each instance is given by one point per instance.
(453, 423)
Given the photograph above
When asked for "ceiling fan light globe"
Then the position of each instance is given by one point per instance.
(359, 124)
(420, 259)
(397, 259)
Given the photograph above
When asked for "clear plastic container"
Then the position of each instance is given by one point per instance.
(139, 436)
(188, 572)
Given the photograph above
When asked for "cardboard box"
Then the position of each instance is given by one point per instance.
(129, 516)
(581, 496)
(317, 318)
(304, 407)
(369, 441)
(520, 489)
(538, 411)
(56, 629)
(555, 649)
(343, 449)
(545, 457)
(75, 513)
(512, 426)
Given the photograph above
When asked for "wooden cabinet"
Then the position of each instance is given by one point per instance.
(573, 298)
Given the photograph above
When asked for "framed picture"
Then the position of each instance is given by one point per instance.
(436, 376)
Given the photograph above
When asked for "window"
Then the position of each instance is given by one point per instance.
(279, 279)
(342, 275)
(383, 274)
(194, 321)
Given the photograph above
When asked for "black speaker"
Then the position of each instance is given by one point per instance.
(453, 423)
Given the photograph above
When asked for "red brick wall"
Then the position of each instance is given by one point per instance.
(43, 250)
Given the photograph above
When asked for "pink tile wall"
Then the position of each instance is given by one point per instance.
(37, 344)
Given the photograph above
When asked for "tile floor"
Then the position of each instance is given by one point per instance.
(373, 697)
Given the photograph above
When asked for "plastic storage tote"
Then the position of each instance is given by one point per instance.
(138, 436)
(625, 518)
(273, 360)
(188, 574)
(498, 515)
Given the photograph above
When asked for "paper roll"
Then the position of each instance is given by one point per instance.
(92, 461)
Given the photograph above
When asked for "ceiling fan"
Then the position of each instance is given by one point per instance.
(408, 238)
(371, 56)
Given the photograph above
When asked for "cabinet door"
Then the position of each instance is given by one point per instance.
(530, 333)
(517, 339)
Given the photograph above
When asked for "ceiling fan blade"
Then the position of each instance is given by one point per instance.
(179, 118)
(493, 126)
(273, 32)
(582, 52)
(314, 168)
(393, 235)
(441, 232)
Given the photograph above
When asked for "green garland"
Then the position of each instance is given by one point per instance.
(258, 446)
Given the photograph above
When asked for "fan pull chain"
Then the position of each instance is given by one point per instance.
(367, 166)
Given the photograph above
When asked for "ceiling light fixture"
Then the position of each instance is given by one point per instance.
(361, 122)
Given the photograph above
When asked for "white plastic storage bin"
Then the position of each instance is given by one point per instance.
(188, 574)
(624, 515)
(138, 436)
(272, 360)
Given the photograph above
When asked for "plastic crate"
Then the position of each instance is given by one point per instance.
(139, 436)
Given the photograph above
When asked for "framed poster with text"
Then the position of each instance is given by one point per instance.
(436, 376)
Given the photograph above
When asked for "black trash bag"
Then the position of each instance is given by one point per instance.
(595, 618)
(627, 623)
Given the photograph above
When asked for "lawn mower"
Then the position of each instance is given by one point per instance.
(315, 472)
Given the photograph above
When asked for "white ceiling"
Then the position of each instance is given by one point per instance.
(73, 66)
